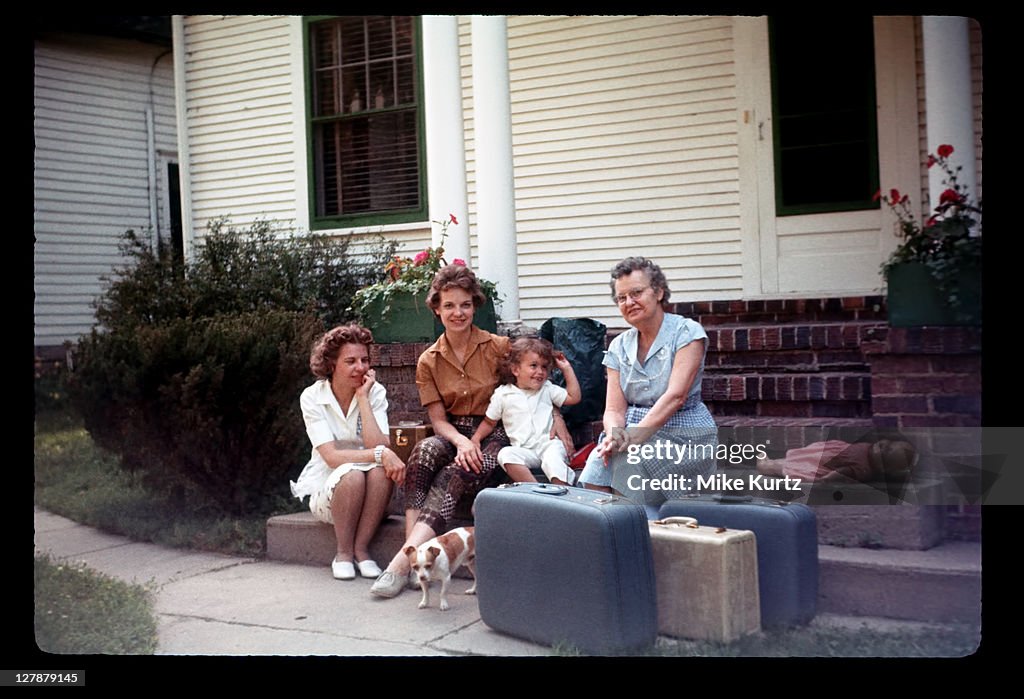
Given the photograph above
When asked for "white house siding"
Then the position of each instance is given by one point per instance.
(239, 118)
(91, 169)
(624, 143)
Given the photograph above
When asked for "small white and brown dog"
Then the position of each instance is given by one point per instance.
(438, 558)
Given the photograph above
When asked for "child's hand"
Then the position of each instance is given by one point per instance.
(560, 361)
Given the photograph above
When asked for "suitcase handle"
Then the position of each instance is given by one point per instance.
(690, 522)
(548, 489)
(731, 498)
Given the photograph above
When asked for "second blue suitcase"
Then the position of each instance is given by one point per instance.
(565, 565)
(787, 549)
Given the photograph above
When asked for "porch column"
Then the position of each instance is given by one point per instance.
(947, 88)
(495, 193)
(446, 148)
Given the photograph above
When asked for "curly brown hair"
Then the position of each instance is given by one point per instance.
(455, 277)
(327, 347)
(519, 347)
(653, 272)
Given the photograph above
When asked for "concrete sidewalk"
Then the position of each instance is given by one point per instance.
(212, 604)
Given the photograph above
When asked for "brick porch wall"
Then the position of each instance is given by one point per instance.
(931, 377)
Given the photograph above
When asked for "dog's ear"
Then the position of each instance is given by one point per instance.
(433, 552)
(409, 550)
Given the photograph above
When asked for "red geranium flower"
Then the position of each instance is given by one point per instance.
(894, 195)
(454, 220)
(950, 196)
(945, 150)
(877, 196)
(421, 257)
(931, 160)
(459, 261)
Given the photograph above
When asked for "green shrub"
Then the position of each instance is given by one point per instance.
(241, 271)
(212, 402)
(194, 373)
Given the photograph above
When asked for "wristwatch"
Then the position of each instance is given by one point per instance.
(378, 452)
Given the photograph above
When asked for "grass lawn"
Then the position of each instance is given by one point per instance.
(79, 611)
(76, 479)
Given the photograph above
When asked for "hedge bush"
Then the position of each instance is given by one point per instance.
(209, 401)
(239, 271)
(194, 373)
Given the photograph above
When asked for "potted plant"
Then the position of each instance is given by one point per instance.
(395, 310)
(934, 276)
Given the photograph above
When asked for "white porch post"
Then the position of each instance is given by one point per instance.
(446, 148)
(947, 86)
(495, 193)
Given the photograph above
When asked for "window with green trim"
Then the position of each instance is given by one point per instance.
(825, 126)
(365, 124)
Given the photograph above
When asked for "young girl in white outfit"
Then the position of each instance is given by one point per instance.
(524, 404)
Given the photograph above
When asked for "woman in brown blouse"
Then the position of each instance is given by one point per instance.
(456, 377)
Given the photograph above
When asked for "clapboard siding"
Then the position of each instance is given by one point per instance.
(624, 142)
(91, 168)
(240, 120)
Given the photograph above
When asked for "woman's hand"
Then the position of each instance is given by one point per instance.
(560, 431)
(469, 456)
(394, 468)
(615, 440)
(369, 378)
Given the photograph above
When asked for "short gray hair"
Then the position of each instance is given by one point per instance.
(642, 264)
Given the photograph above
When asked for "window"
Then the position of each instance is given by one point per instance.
(365, 124)
(824, 114)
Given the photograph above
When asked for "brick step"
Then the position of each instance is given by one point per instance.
(792, 386)
(770, 337)
(710, 313)
(853, 581)
(779, 434)
(850, 360)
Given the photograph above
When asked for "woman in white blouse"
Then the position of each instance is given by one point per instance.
(351, 470)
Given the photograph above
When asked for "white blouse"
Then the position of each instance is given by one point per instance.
(326, 423)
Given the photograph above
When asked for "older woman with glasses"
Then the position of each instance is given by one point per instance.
(658, 434)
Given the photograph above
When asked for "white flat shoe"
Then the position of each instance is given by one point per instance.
(368, 568)
(343, 570)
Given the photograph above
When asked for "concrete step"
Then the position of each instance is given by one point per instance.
(941, 584)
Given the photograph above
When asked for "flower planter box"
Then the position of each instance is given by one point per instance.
(913, 298)
(410, 320)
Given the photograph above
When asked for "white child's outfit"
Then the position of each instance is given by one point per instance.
(527, 418)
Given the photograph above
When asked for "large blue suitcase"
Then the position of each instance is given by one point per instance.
(787, 548)
(558, 565)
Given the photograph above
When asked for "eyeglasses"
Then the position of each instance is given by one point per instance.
(633, 294)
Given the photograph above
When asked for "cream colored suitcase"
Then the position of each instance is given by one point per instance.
(706, 580)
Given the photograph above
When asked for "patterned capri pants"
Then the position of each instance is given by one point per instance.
(434, 484)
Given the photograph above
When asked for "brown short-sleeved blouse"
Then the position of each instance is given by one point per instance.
(463, 390)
